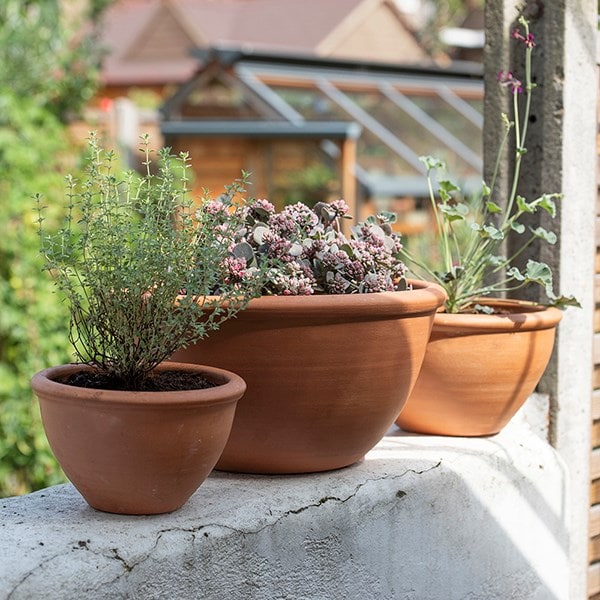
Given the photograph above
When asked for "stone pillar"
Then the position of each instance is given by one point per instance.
(561, 158)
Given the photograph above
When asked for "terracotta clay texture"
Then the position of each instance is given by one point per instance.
(137, 452)
(479, 369)
(327, 375)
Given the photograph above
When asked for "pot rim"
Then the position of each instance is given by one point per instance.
(425, 297)
(522, 315)
(230, 387)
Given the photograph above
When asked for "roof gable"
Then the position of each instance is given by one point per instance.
(374, 31)
(164, 37)
(150, 40)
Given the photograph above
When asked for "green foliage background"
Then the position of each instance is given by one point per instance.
(44, 79)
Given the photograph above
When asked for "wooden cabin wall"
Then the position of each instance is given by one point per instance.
(218, 161)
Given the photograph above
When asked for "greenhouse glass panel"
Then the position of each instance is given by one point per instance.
(468, 133)
(476, 103)
(404, 127)
(312, 104)
(219, 100)
(378, 159)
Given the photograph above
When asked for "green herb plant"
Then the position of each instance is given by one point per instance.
(138, 264)
(471, 235)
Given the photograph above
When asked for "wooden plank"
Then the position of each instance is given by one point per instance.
(595, 438)
(593, 586)
(594, 549)
(596, 377)
(595, 492)
(597, 320)
(595, 465)
(595, 520)
(597, 349)
(596, 405)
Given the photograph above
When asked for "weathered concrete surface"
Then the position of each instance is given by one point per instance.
(420, 518)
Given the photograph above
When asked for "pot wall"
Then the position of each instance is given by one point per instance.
(326, 375)
(479, 369)
(137, 452)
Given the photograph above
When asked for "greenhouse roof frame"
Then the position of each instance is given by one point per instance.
(393, 108)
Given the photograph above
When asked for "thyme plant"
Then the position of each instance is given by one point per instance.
(474, 265)
(138, 264)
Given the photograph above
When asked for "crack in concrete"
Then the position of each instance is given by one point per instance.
(117, 556)
(27, 575)
(128, 567)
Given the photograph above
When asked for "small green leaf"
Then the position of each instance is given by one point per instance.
(546, 202)
(541, 273)
(563, 301)
(483, 309)
(514, 273)
(454, 212)
(432, 163)
(525, 206)
(448, 186)
(387, 217)
(492, 207)
(243, 250)
(496, 261)
(296, 249)
(347, 248)
(517, 227)
(493, 232)
(261, 214)
(259, 233)
(548, 236)
(485, 190)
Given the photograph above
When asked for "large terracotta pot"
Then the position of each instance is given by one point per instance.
(327, 375)
(479, 369)
(137, 452)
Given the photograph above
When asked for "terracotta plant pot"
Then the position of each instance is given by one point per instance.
(479, 369)
(137, 452)
(327, 375)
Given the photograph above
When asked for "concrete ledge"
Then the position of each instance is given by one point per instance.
(420, 518)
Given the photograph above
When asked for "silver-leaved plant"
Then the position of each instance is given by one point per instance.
(303, 251)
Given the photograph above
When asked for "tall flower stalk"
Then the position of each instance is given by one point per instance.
(471, 235)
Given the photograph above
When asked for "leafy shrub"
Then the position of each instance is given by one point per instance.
(34, 150)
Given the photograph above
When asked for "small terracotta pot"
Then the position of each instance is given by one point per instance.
(137, 452)
(327, 375)
(479, 369)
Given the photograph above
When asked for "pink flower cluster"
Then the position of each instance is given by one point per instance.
(302, 250)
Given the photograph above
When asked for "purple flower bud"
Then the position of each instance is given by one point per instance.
(528, 40)
(507, 79)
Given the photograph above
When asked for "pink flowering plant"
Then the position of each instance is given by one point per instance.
(472, 234)
(303, 251)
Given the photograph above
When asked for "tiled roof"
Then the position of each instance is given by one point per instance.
(292, 24)
(149, 40)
